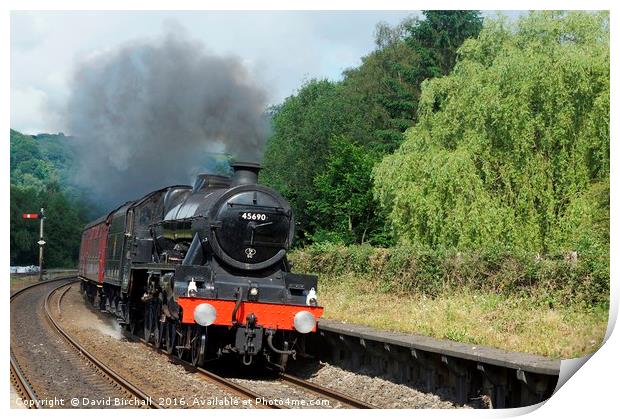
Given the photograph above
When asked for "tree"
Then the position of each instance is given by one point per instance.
(296, 151)
(24, 233)
(512, 148)
(344, 208)
(385, 89)
(38, 165)
(437, 38)
(63, 227)
(379, 98)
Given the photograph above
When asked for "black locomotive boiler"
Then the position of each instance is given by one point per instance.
(202, 271)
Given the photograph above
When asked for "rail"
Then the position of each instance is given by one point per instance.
(129, 387)
(21, 383)
(328, 392)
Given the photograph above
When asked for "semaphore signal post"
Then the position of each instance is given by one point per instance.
(41, 217)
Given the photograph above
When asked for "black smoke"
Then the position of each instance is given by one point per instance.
(155, 113)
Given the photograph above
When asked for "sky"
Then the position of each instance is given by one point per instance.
(280, 49)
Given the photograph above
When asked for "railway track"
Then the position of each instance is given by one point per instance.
(210, 376)
(316, 389)
(72, 371)
(20, 382)
(22, 386)
(242, 390)
(284, 378)
(326, 392)
(103, 369)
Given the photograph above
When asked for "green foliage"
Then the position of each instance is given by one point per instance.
(385, 89)
(38, 166)
(380, 97)
(437, 38)
(63, 227)
(344, 208)
(511, 149)
(28, 166)
(371, 107)
(554, 280)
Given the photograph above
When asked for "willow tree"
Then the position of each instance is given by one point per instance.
(512, 148)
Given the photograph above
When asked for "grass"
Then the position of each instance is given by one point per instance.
(478, 317)
(19, 281)
(554, 305)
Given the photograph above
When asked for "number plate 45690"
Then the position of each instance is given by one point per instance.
(253, 216)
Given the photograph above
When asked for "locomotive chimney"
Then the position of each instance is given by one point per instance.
(245, 173)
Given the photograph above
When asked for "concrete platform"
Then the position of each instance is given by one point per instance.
(486, 355)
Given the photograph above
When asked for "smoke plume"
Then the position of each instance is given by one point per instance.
(151, 114)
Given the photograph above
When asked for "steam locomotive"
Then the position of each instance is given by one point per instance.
(202, 271)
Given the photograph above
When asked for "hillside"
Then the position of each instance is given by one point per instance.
(40, 178)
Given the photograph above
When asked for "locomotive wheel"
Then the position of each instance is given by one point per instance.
(199, 343)
(170, 334)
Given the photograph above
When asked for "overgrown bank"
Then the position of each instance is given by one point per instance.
(553, 305)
